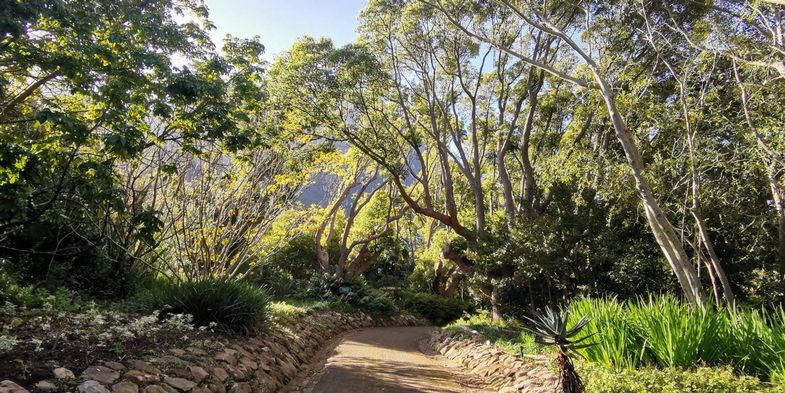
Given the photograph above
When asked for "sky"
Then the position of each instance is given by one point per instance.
(280, 22)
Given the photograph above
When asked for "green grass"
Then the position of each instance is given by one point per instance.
(660, 344)
(289, 310)
(663, 331)
(231, 305)
(506, 333)
(617, 345)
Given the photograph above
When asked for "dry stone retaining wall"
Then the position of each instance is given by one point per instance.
(256, 364)
(508, 373)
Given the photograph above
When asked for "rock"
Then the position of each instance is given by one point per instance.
(220, 374)
(236, 373)
(242, 387)
(178, 352)
(62, 373)
(217, 388)
(227, 357)
(199, 374)
(117, 366)
(125, 387)
(104, 375)
(46, 386)
(201, 390)
(91, 387)
(143, 366)
(196, 351)
(180, 384)
(154, 389)
(141, 377)
(10, 387)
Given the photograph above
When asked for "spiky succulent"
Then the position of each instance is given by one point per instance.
(550, 328)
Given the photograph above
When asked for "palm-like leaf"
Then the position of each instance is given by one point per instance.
(550, 328)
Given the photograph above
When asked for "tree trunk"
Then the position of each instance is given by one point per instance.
(778, 196)
(714, 261)
(496, 313)
(453, 281)
(662, 228)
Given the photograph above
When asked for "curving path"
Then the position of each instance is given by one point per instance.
(387, 360)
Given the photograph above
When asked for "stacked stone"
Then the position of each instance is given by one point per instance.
(502, 371)
(256, 364)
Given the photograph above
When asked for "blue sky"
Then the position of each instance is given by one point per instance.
(280, 22)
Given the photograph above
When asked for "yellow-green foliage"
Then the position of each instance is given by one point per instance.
(506, 333)
(285, 312)
(599, 379)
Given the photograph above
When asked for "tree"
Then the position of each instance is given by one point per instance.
(359, 189)
(542, 19)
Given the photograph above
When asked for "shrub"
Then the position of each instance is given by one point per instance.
(230, 305)
(505, 333)
(438, 309)
(34, 297)
(670, 380)
(354, 294)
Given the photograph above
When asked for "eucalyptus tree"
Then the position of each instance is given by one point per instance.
(581, 36)
(357, 196)
(445, 118)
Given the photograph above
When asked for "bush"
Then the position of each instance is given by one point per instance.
(355, 294)
(437, 309)
(670, 380)
(289, 268)
(230, 305)
(506, 333)
(35, 297)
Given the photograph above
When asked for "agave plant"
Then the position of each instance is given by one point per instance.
(550, 328)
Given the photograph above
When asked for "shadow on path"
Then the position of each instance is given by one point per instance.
(389, 360)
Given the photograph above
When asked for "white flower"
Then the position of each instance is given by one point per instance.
(7, 343)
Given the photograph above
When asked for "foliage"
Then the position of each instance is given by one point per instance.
(355, 294)
(670, 380)
(505, 333)
(550, 327)
(230, 305)
(617, 344)
(664, 331)
(437, 309)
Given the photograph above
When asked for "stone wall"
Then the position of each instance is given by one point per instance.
(505, 372)
(260, 364)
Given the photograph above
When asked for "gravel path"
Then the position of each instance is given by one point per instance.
(385, 360)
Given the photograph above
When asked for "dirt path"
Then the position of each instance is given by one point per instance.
(384, 360)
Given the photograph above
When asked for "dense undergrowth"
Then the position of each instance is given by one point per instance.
(659, 344)
(665, 332)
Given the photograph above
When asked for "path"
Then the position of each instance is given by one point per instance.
(388, 360)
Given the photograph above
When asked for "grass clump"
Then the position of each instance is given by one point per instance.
(230, 305)
(616, 344)
(664, 331)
